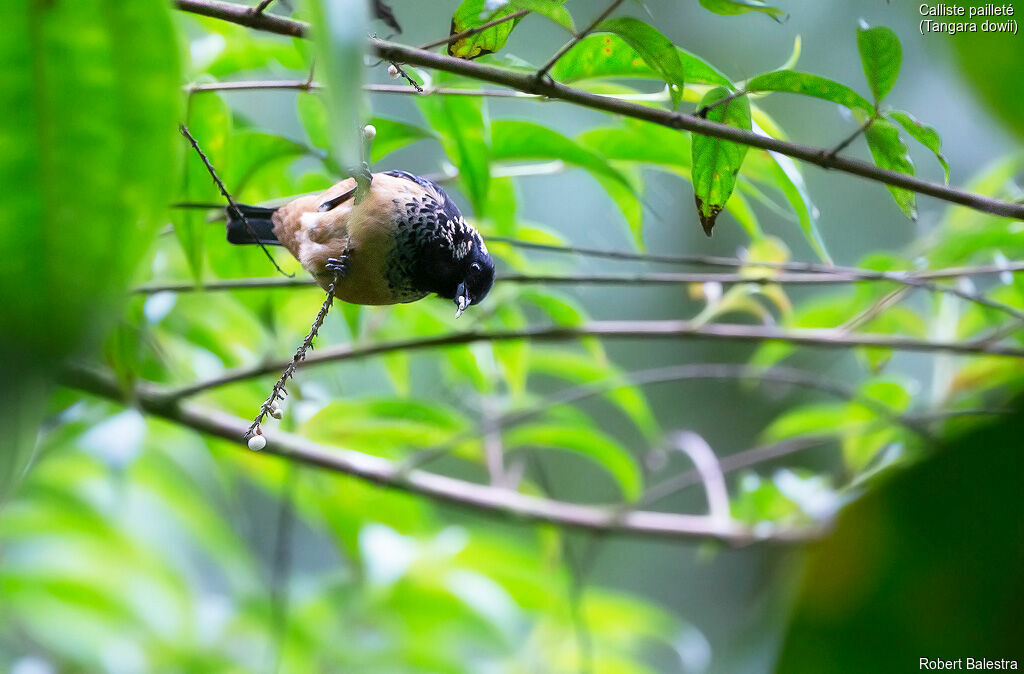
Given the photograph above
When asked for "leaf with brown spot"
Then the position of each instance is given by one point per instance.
(716, 162)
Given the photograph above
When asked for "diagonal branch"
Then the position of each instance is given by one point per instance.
(528, 83)
(386, 473)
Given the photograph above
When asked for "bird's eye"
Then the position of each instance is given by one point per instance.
(475, 266)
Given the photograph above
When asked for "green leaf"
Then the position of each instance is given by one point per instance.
(923, 134)
(823, 419)
(210, 123)
(880, 55)
(608, 55)
(394, 135)
(473, 13)
(716, 162)
(626, 198)
(889, 152)
(339, 30)
(994, 70)
(514, 139)
(587, 370)
(517, 139)
(640, 142)
(388, 427)
(761, 500)
(459, 120)
(782, 173)
(807, 84)
(313, 115)
(588, 442)
(656, 50)
(90, 158)
(732, 7)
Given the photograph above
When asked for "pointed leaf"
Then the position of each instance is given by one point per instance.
(716, 162)
(460, 122)
(881, 55)
(923, 134)
(474, 13)
(394, 135)
(730, 7)
(809, 85)
(608, 55)
(656, 50)
(588, 442)
(889, 152)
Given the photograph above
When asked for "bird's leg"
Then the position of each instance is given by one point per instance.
(338, 265)
(364, 178)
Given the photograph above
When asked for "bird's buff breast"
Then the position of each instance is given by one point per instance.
(368, 242)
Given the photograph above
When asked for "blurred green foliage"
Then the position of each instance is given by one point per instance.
(138, 545)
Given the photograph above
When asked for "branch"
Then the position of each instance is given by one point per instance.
(664, 375)
(663, 329)
(386, 473)
(732, 262)
(530, 84)
(796, 278)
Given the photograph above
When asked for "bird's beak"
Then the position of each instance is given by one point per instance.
(461, 299)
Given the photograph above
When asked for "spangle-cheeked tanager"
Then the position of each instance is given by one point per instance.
(404, 240)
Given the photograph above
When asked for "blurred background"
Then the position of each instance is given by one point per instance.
(132, 543)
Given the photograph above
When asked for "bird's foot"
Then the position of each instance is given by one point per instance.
(338, 265)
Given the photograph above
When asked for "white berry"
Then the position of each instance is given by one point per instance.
(276, 412)
(393, 70)
(257, 442)
(369, 131)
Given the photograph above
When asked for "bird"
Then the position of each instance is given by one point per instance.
(401, 242)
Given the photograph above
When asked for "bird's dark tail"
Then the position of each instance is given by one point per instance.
(259, 221)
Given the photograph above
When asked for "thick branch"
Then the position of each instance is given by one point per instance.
(530, 84)
(438, 487)
(617, 330)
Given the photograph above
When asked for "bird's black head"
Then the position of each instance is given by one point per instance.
(444, 254)
(477, 278)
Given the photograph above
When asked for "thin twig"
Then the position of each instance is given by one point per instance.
(260, 8)
(880, 306)
(663, 375)
(708, 468)
(280, 572)
(279, 391)
(380, 471)
(529, 83)
(853, 136)
(470, 32)
(231, 202)
(408, 78)
(579, 567)
(839, 277)
(920, 279)
(703, 112)
(543, 70)
(665, 329)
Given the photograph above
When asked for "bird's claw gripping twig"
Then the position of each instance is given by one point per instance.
(364, 179)
(338, 265)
